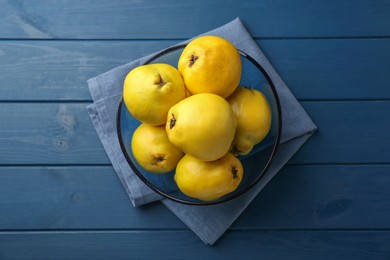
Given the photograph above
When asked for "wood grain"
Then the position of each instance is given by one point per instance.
(349, 132)
(73, 198)
(58, 70)
(62, 133)
(92, 198)
(61, 199)
(48, 133)
(160, 19)
(255, 244)
(327, 69)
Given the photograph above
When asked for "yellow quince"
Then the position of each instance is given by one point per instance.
(208, 180)
(253, 115)
(152, 149)
(149, 91)
(210, 64)
(202, 125)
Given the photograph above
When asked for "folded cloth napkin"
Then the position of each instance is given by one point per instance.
(208, 222)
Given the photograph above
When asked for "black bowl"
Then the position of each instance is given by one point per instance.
(256, 163)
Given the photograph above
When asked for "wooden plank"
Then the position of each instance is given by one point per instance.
(62, 133)
(324, 69)
(183, 19)
(276, 244)
(48, 133)
(349, 132)
(332, 69)
(322, 197)
(47, 70)
(299, 197)
(73, 198)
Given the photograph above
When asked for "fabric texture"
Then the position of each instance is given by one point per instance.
(208, 222)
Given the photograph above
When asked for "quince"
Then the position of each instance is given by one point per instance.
(151, 90)
(208, 180)
(202, 125)
(152, 149)
(210, 64)
(253, 115)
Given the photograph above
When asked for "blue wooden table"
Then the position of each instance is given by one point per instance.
(60, 197)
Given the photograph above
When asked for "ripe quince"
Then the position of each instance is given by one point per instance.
(149, 91)
(152, 149)
(253, 115)
(210, 64)
(208, 180)
(202, 125)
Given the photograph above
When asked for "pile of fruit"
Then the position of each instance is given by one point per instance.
(196, 119)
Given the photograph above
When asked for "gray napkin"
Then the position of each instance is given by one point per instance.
(208, 222)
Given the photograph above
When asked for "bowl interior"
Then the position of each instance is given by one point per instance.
(255, 164)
